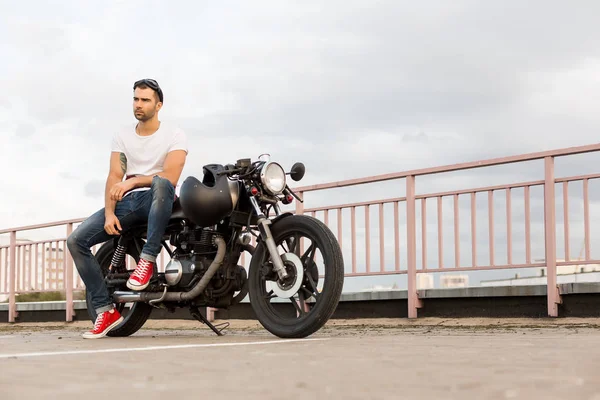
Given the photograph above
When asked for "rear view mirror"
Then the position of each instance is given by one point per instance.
(297, 171)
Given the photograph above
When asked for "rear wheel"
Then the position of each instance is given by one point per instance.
(313, 259)
(135, 316)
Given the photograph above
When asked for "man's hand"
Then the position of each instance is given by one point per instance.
(119, 189)
(112, 226)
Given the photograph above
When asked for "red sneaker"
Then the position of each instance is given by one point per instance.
(140, 278)
(105, 322)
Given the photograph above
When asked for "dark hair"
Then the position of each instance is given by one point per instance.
(149, 83)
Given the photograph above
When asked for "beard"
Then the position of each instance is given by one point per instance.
(142, 116)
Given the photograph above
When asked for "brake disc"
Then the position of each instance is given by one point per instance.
(290, 288)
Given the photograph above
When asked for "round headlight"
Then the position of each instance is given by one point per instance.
(273, 178)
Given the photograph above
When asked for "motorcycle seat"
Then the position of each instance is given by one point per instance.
(177, 212)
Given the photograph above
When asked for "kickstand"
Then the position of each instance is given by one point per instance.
(196, 314)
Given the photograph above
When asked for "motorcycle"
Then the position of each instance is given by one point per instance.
(296, 271)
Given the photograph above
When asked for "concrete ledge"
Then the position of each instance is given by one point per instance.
(81, 304)
(579, 288)
(579, 299)
(485, 291)
(378, 295)
(46, 306)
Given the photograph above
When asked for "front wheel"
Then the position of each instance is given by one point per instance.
(304, 303)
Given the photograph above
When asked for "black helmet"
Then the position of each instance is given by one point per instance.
(208, 202)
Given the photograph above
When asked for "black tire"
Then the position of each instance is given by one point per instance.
(138, 314)
(328, 298)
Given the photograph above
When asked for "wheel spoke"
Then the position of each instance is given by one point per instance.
(299, 307)
(308, 292)
(310, 252)
(296, 306)
(296, 249)
(302, 299)
(288, 243)
(314, 286)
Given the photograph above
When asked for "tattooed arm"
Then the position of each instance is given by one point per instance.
(118, 167)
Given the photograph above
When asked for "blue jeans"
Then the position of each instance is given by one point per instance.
(153, 206)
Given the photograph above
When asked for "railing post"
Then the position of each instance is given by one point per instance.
(411, 235)
(299, 205)
(69, 277)
(210, 314)
(300, 211)
(12, 305)
(553, 295)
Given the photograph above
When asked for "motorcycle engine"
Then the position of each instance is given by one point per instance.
(183, 268)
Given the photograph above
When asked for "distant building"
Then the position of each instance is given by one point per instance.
(454, 281)
(380, 288)
(424, 281)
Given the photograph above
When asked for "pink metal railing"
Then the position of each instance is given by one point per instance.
(15, 272)
(43, 266)
(39, 267)
(411, 198)
(508, 189)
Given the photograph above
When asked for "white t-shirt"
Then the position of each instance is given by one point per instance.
(146, 154)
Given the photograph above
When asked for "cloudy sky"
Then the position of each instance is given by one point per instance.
(352, 88)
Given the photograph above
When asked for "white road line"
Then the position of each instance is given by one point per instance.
(7, 337)
(150, 348)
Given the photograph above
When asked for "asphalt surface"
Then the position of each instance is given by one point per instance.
(358, 359)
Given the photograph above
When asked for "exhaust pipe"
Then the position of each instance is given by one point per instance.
(132, 297)
(126, 297)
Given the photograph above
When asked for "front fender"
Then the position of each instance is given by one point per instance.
(273, 222)
(281, 216)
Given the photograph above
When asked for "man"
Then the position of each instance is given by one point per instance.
(151, 156)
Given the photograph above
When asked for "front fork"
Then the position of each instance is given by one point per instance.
(265, 231)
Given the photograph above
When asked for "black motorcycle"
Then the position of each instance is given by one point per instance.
(296, 271)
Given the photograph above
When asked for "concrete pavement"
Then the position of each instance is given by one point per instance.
(350, 359)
